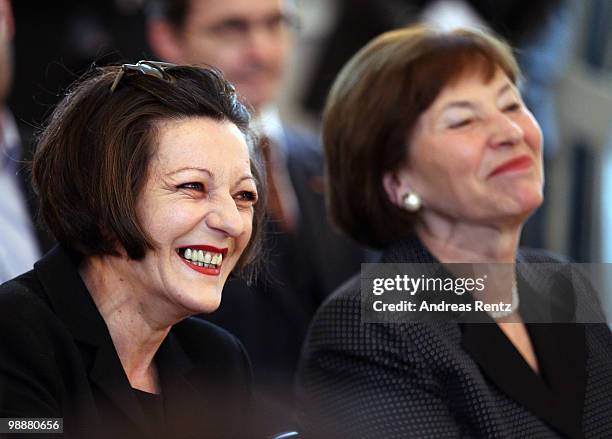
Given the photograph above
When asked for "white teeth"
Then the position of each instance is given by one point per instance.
(202, 258)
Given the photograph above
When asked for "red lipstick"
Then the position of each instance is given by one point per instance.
(203, 270)
(516, 164)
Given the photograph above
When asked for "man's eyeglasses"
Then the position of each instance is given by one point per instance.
(151, 68)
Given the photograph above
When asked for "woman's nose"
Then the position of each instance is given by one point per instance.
(225, 217)
(505, 131)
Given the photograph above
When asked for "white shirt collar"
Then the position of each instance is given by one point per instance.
(9, 138)
(268, 123)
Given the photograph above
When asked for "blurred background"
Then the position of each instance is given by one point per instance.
(564, 47)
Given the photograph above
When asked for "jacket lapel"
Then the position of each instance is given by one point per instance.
(185, 407)
(110, 379)
(556, 395)
(502, 364)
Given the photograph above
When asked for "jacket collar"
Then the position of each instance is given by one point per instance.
(69, 297)
(409, 251)
(557, 394)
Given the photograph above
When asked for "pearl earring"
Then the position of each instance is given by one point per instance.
(412, 202)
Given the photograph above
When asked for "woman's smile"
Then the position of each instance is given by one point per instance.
(204, 259)
(514, 165)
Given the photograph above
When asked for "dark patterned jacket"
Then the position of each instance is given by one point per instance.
(450, 379)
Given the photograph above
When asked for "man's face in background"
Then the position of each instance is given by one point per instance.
(248, 40)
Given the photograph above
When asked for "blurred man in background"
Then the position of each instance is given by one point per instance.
(18, 244)
(250, 41)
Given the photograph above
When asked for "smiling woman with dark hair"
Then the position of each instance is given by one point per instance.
(147, 179)
(433, 157)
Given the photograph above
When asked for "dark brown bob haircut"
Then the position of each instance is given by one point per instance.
(372, 109)
(93, 156)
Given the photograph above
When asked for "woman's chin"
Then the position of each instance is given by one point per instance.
(202, 305)
(516, 209)
(210, 306)
(523, 201)
(530, 201)
(524, 209)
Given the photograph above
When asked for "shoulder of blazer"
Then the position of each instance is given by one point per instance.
(533, 255)
(201, 339)
(36, 351)
(338, 327)
(347, 297)
(572, 284)
(23, 304)
(302, 140)
(304, 152)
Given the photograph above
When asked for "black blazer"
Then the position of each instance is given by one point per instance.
(450, 379)
(57, 359)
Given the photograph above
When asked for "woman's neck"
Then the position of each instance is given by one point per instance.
(129, 316)
(450, 240)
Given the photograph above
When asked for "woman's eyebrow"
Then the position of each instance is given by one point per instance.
(470, 105)
(245, 177)
(504, 89)
(458, 104)
(191, 168)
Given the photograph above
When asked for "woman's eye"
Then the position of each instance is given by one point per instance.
(192, 186)
(461, 123)
(248, 196)
(512, 107)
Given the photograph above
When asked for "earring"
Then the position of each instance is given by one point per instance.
(412, 202)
